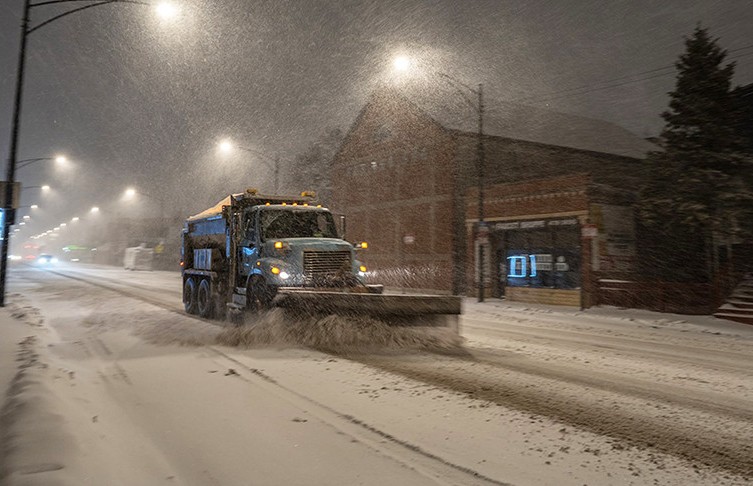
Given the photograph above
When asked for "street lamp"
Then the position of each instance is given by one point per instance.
(26, 29)
(166, 10)
(58, 159)
(476, 102)
(227, 146)
(131, 192)
(401, 63)
(45, 187)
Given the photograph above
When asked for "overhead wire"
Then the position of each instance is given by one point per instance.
(588, 89)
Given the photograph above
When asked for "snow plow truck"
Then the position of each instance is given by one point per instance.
(252, 252)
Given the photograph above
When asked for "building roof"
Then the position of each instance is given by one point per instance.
(522, 122)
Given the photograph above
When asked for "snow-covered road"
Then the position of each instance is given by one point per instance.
(115, 385)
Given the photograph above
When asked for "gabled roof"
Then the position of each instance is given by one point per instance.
(523, 122)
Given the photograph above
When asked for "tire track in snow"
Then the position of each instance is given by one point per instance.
(378, 435)
(501, 384)
(714, 441)
(722, 360)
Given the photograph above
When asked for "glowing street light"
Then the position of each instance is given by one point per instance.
(45, 187)
(130, 193)
(95, 209)
(401, 63)
(227, 146)
(74, 219)
(34, 206)
(166, 10)
(58, 159)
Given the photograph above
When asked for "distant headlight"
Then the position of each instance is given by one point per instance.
(284, 275)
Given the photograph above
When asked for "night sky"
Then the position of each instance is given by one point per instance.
(136, 100)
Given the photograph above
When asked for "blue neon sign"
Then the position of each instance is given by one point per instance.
(518, 266)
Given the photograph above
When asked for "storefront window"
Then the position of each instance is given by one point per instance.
(542, 258)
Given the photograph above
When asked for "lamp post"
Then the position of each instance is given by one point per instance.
(59, 159)
(272, 163)
(476, 102)
(8, 216)
(131, 193)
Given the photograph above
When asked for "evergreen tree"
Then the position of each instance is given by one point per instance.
(698, 190)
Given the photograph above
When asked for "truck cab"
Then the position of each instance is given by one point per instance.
(241, 252)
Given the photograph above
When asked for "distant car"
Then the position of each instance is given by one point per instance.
(46, 259)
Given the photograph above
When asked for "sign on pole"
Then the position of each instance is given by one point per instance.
(8, 219)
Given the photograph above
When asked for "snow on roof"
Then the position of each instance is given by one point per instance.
(523, 122)
(214, 210)
(272, 199)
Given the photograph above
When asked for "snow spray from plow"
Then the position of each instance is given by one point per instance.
(354, 323)
(399, 310)
(338, 334)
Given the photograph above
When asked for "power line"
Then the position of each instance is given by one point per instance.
(580, 90)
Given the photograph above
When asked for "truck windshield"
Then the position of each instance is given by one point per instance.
(291, 223)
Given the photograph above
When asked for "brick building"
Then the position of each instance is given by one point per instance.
(404, 176)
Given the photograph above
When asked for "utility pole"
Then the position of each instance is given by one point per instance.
(277, 174)
(482, 230)
(8, 211)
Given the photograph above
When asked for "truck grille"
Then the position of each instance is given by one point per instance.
(324, 263)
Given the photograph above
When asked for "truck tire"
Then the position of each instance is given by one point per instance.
(189, 295)
(259, 295)
(204, 301)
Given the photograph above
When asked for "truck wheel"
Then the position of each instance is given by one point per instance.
(259, 295)
(189, 295)
(204, 303)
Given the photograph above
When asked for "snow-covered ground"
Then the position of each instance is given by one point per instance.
(108, 382)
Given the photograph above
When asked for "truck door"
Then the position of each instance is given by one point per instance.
(248, 248)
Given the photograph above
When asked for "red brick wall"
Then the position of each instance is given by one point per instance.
(393, 177)
(535, 197)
